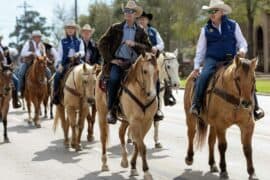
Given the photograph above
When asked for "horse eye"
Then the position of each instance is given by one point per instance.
(145, 72)
(168, 67)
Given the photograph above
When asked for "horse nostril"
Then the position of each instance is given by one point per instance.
(91, 101)
(148, 94)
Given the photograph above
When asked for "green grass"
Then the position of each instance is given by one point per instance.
(263, 86)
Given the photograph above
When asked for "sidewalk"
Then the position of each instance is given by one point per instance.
(264, 76)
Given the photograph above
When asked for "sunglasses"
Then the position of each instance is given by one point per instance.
(129, 11)
(212, 11)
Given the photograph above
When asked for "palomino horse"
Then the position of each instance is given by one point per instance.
(229, 101)
(36, 87)
(5, 95)
(78, 93)
(139, 104)
(168, 71)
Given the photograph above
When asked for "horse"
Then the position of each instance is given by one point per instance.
(5, 95)
(36, 88)
(228, 101)
(78, 94)
(168, 72)
(138, 104)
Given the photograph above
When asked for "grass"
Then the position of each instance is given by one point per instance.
(263, 86)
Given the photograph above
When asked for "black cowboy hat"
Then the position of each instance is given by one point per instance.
(148, 16)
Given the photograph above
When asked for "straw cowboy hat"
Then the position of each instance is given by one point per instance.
(36, 33)
(87, 27)
(131, 4)
(147, 15)
(218, 4)
(71, 24)
(47, 41)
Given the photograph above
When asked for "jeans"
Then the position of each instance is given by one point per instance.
(15, 82)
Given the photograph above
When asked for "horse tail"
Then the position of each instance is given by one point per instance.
(201, 134)
(59, 114)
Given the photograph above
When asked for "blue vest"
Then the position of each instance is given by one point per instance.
(67, 44)
(152, 34)
(219, 46)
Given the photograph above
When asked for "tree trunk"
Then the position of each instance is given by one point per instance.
(250, 37)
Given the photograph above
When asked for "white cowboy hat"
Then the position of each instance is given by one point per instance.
(218, 4)
(71, 24)
(36, 33)
(131, 4)
(47, 41)
(87, 27)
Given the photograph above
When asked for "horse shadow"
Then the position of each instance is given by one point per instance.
(21, 129)
(117, 152)
(112, 176)
(18, 113)
(189, 174)
(57, 151)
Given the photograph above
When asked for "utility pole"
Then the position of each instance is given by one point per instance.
(76, 12)
(25, 5)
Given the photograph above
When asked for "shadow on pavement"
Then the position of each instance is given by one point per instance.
(113, 176)
(57, 151)
(116, 152)
(22, 128)
(189, 174)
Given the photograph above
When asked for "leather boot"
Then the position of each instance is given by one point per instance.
(15, 100)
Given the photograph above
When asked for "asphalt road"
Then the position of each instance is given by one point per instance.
(39, 154)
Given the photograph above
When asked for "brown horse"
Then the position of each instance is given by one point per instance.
(78, 94)
(229, 101)
(139, 104)
(36, 88)
(5, 95)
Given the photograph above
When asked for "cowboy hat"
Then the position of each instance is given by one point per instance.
(47, 41)
(87, 27)
(71, 24)
(36, 33)
(218, 4)
(131, 4)
(148, 16)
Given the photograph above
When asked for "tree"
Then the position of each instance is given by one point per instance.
(28, 22)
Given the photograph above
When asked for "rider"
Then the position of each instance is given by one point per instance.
(70, 48)
(51, 53)
(122, 44)
(92, 55)
(219, 41)
(31, 49)
(6, 60)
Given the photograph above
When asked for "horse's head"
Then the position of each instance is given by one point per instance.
(88, 80)
(5, 78)
(40, 63)
(145, 73)
(168, 68)
(244, 77)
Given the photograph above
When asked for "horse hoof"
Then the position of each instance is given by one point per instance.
(90, 138)
(38, 126)
(134, 172)
(73, 146)
(147, 176)
(129, 141)
(45, 117)
(224, 175)
(158, 145)
(214, 169)
(6, 140)
(78, 148)
(104, 168)
(124, 164)
(189, 162)
(253, 177)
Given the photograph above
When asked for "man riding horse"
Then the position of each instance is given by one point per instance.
(219, 41)
(51, 54)
(92, 55)
(6, 60)
(120, 46)
(70, 49)
(31, 49)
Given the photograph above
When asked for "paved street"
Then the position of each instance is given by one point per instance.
(39, 154)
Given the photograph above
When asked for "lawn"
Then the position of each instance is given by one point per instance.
(263, 86)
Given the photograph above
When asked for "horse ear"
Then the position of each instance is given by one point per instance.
(176, 52)
(84, 67)
(143, 54)
(254, 62)
(154, 60)
(157, 54)
(237, 60)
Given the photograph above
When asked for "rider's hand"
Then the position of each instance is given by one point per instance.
(60, 68)
(130, 43)
(116, 61)
(241, 54)
(195, 73)
(77, 55)
(154, 50)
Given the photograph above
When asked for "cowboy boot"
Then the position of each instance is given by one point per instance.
(15, 100)
(111, 116)
(159, 114)
(258, 112)
(169, 99)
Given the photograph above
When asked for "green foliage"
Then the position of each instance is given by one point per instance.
(26, 24)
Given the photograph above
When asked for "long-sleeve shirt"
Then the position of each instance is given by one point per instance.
(38, 49)
(60, 52)
(160, 43)
(3, 56)
(241, 45)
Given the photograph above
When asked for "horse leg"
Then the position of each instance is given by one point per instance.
(51, 108)
(45, 103)
(133, 161)
(65, 125)
(104, 135)
(122, 133)
(129, 140)
(91, 121)
(246, 138)
(158, 145)
(211, 143)
(71, 114)
(222, 146)
(23, 104)
(4, 118)
(191, 123)
(28, 103)
(83, 113)
(37, 112)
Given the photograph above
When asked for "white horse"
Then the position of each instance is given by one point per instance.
(168, 71)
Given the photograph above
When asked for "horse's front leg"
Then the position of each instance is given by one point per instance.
(71, 114)
(104, 135)
(37, 104)
(222, 147)
(122, 133)
(28, 103)
(83, 113)
(158, 145)
(191, 125)
(246, 138)
(211, 142)
(3, 116)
